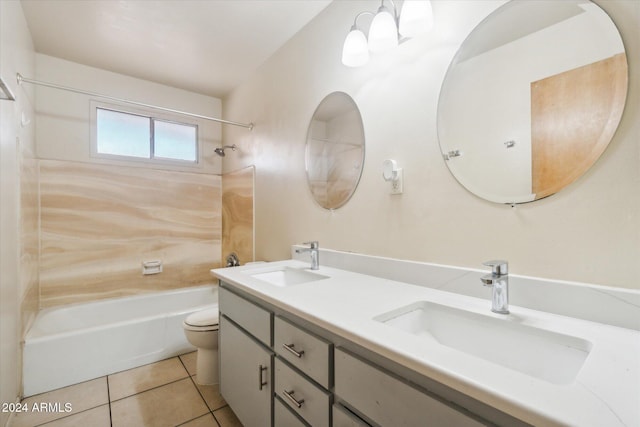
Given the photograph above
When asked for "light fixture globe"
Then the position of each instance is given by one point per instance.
(355, 51)
(416, 18)
(383, 33)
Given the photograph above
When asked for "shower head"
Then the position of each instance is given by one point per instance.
(220, 151)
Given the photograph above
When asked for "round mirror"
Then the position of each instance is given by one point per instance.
(334, 150)
(532, 99)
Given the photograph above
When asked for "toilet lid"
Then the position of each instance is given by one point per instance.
(207, 317)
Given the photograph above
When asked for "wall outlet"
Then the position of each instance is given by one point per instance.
(396, 185)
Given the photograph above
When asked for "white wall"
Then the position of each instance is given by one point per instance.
(16, 54)
(63, 129)
(589, 232)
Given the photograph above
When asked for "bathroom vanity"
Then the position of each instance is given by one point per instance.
(300, 369)
(333, 347)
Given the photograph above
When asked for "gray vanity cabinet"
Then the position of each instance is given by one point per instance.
(275, 372)
(246, 363)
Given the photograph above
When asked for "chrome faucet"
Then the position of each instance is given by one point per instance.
(233, 260)
(499, 281)
(314, 251)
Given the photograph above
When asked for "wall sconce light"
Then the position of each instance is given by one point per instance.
(386, 31)
(393, 174)
(416, 18)
(383, 32)
(355, 51)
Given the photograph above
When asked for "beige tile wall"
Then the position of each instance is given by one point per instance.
(237, 214)
(29, 243)
(100, 222)
(28, 235)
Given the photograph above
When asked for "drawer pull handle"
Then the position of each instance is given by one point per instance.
(262, 383)
(289, 347)
(289, 395)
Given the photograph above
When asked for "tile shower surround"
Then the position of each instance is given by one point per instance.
(94, 217)
(159, 394)
(99, 222)
(237, 214)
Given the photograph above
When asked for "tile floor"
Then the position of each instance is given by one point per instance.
(160, 394)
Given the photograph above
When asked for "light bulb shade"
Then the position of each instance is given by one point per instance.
(355, 51)
(416, 17)
(383, 33)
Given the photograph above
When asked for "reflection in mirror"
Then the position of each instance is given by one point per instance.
(334, 150)
(532, 99)
(5, 91)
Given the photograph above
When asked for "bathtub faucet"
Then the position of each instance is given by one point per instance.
(314, 251)
(232, 260)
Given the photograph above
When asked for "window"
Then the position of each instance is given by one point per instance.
(143, 137)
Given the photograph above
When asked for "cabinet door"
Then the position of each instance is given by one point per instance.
(245, 375)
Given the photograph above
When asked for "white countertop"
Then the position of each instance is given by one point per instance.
(606, 391)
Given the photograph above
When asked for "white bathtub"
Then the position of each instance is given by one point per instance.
(78, 342)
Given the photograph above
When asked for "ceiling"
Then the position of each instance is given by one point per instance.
(204, 46)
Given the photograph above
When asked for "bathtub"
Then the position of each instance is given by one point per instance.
(78, 342)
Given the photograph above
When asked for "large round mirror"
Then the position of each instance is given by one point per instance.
(532, 99)
(334, 150)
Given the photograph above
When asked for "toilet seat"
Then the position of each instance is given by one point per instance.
(203, 320)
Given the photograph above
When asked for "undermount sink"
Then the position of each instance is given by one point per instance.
(539, 353)
(287, 276)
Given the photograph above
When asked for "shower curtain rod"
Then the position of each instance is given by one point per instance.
(22, 79)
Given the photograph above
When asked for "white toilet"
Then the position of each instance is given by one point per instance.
(201, 330)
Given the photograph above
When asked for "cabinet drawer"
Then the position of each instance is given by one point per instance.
(388, 401)
(252, 318)
(305, 351)
(283, 417)
(305, 398)
(343, 418)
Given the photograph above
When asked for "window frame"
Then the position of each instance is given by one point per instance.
(152, 115)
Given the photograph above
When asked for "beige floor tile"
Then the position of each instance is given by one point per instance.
(80, 397)
(168, 405)
(204, 421)
(136, 380)
(211, 394)
(190, 360)
(226, 417)
(96, 417)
